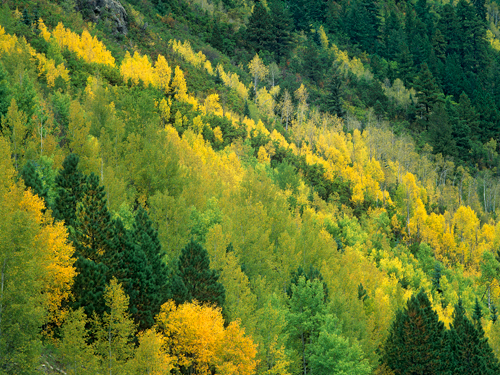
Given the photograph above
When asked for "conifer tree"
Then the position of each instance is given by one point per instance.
(415, 339)
(282, 27)
(32, 179)
(333, 99)
(93, 225)
(493, 313)
(69, 185)
(259, 30)
(202, 283)
(469, 350)
(428, 92)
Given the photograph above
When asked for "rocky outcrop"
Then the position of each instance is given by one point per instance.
(112, 10)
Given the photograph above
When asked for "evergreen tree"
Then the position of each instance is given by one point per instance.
(436, 278)
(89, 286)
(333, 100)
(478, 314)
(147, 243)
(441, 132)
(282, 27)
(201, 282)
(93, 225)
(493, 313)
(69, 185)
(468, 349)
(5, 93)
(428, 92)
(259, 30)
(32, 179)
(415, 341)
(467, 125)
(246, 110)
(406, 67)
(136, 275)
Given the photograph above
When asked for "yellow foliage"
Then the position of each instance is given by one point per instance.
(85, 46)
(196, 336)
(198, 60)
(218, 134)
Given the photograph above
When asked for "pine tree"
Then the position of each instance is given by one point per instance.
(333, 99)
(282, 27)
(201, 282)
(415, 339)
(469, 350)
(131, 268)
(493, 313)
(148, 282)
(93, 225)
(466, 128)
(69, 185)
(89, 286)
(441, 132)
(32, 180)
(428, 92)
(259, 30)
(406, 67)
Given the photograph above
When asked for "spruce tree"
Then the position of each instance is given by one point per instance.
(135, 273)
(259, 30)
(32, 179)
(493, 313)
(415, 341)
(428, 92)
(441, 132)
(89, 286)
(468, 348)
(333, 99)
(93, 225)
(201, 282)
(69, 186)
(146, 242)
(282, 27)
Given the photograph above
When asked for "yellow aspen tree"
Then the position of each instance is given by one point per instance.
(163, 73)
(179, 84)
(258, 70)
(286, 107)
(301, 95)
(164, 108)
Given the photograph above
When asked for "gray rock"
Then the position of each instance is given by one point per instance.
(98, 10)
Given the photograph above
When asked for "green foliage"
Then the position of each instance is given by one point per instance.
(415, 340)
(201, 282)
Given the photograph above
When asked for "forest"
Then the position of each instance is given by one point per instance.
(243, 187)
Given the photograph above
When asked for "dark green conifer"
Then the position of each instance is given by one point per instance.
(32, 179)
(415, 341)
(69, 186)
(436, 277)
(89, 286)
(406, 67)
(468, 349)
(93, 225)
(132, 269)
(282, 27)
(333, 100)
(259, 30)
(201, 282)
(493, 313)
(441, 132)
(362, 293)
(428, 92)
(246, 111)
